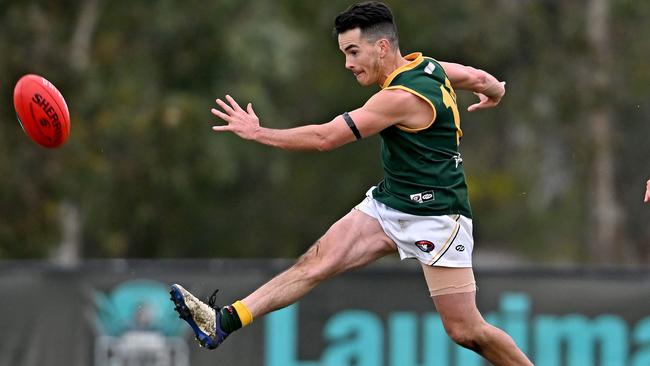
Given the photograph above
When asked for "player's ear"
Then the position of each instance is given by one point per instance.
(383, 47)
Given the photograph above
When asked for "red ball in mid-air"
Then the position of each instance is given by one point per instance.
(42, 111)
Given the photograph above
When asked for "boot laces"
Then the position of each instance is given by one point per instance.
(213, 299)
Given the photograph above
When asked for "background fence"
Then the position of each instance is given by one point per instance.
(117, 313)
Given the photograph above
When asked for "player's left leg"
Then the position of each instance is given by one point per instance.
(454, 296)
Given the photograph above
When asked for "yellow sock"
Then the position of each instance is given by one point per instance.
(244, 314)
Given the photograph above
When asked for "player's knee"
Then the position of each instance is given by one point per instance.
(322, 269)
(461, 337)
(315, 266)
(466, 335)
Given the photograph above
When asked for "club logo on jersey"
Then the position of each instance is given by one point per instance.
(460, 248)
(457, 159)
(425, 245)
(423, 197)
(430, 67)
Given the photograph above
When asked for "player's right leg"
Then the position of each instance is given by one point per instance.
(354, 241)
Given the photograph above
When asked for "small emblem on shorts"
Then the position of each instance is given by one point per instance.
(422, 196)
(460, 248)
(425, 245)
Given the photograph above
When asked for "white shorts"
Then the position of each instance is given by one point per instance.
(444, 241)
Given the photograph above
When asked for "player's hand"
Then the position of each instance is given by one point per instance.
(244, 123)
(489, 98)
(647, 192)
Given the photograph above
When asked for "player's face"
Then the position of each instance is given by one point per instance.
(361, 56)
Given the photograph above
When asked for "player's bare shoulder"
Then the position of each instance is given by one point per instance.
(408, 109)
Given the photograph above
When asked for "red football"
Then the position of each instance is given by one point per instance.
(42, 111)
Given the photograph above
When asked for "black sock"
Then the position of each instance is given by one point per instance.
(230, 321)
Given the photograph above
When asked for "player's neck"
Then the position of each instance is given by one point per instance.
(391, 63)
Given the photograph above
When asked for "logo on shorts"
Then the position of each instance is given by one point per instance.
(422, 196)
(460, 248)
(425, 245)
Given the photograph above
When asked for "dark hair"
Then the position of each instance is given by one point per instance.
(373, 18)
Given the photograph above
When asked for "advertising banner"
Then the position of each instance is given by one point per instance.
(118, 313)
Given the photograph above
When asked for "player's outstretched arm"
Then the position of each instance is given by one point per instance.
(246, 124)
(379, 112)
(488, 89)
(647, 192)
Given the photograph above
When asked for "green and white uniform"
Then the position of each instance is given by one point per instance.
(424, 178)
(423, 171)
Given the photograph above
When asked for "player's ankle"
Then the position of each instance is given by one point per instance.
(235, 316)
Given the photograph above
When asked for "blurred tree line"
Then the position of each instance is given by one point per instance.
(556, 173)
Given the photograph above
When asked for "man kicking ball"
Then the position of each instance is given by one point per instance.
(420, 209)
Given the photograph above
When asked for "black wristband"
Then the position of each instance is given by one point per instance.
(352, 126)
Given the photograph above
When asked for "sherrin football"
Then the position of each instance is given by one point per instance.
(41, 111)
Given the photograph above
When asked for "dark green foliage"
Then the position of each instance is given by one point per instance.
(151, 179)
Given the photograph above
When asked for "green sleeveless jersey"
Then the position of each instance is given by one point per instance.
(423, 170)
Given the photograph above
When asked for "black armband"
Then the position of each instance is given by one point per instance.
(352, 126)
